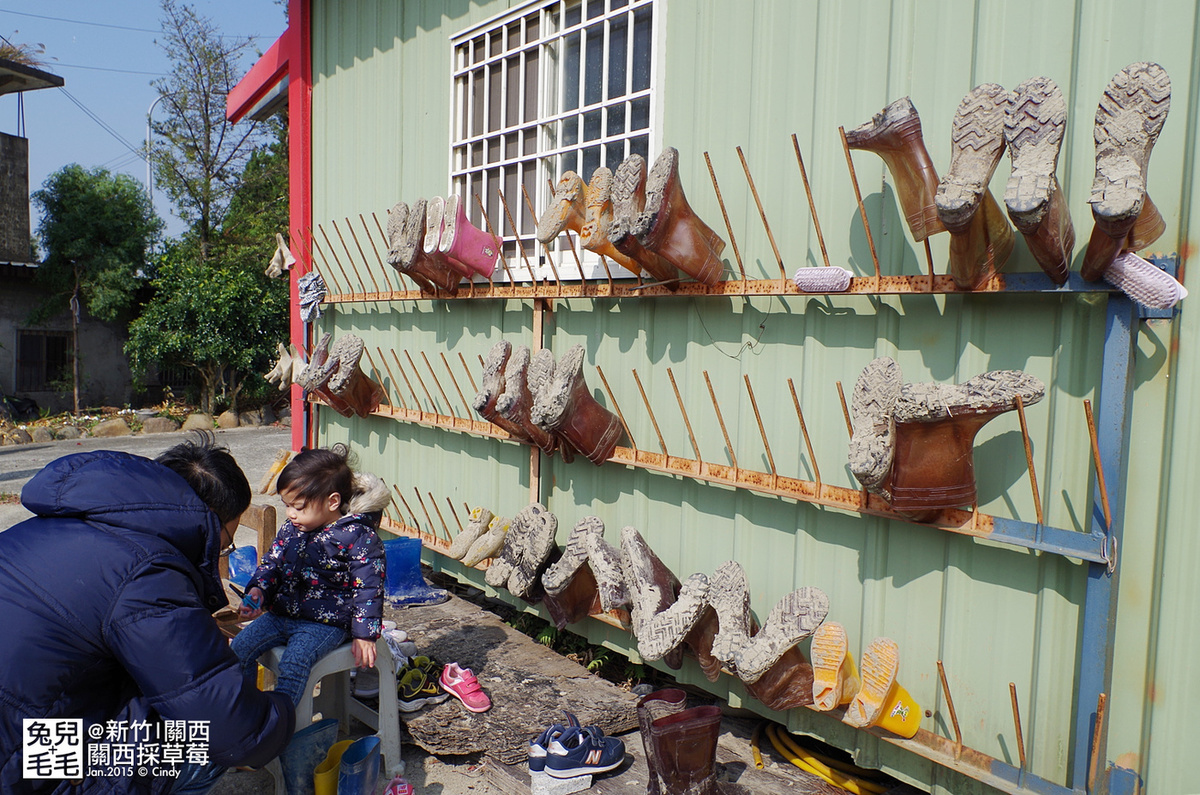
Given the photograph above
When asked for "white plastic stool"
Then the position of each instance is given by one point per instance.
(336, 700)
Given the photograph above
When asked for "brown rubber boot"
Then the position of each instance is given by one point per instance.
(651, 586)
(593, 235)
(1033, 128)
(658, 704)
(577, 600)
(1130, 116)
(396, 223)
(515, 404)
(936, 424)
(685, 751)
(629, 198)
(981, 238)
(668, 226)
(493, 387)
(566, 407)
(341, 382)
(787, 684)
(410, 253)
(894, 134)
(700, 641)
(566, 209)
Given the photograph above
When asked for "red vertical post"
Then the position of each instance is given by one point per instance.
(299, 56)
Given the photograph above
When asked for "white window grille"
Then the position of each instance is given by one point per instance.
(551, 87)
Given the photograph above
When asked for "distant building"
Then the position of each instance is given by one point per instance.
(36, 360)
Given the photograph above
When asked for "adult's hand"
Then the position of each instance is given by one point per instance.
(252, 605)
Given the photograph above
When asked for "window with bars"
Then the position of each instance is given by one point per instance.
(42, 358)
(555, 86)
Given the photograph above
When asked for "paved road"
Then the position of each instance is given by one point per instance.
(254, 449)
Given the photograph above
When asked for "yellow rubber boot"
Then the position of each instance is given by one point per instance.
(835, 677)
(325, 777)
(881, 701)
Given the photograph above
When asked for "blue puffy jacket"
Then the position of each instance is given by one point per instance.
(105, 612)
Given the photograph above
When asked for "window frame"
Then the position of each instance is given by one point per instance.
(546, 122)
(21, 365)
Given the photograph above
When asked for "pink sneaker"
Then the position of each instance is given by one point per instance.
(398, 786)
(462, 684)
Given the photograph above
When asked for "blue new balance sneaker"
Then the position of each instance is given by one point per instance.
(538, 745)
(583, 751)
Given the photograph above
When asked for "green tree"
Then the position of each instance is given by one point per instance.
(199, 155)
(215, 318)
(96, 230)
(221, 316)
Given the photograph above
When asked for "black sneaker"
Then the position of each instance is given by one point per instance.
(418, 690)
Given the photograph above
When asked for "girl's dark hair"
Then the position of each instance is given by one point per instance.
(212, 473)
(315, 474)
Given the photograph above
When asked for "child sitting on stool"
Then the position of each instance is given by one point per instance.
(324, 575)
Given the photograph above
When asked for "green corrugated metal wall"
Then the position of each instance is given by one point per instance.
(751, 74)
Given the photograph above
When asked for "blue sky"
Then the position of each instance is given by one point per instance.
(107, 69)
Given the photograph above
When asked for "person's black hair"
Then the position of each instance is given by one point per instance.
(315, 474)
(212, 473)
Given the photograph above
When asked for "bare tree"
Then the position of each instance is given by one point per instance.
(199, 155)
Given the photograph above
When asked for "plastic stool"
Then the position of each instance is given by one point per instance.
(336, 700)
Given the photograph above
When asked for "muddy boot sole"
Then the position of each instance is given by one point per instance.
(1144, 282)
(605, 561)
(1033, 129)
(976, 146)
(1129, 118)
(988, 393)
(872, 446)
(829, 648)
(477, 525)
(575, 555)
(566, 209)
(490, 543)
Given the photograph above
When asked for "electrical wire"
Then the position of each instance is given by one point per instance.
(105, 24)
(106, 69)
(103, 125)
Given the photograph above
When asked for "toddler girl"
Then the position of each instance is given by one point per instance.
(323, 577)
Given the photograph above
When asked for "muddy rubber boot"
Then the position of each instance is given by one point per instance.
(566, 408)
(700, 641)
(882, 701)
(668, 226)
(492, 390)
(572, 592)
(791, 620)
(598, 216)
(477, 525)
(665, 631)
(873, 445)
(574, 556)
(835, 676)
(936, 424)
(1129, 118)
(435, 224)
(658, 704)
(652, 587)
(894, 134)
(628, 200)
(397, 221)
(1148, 227)
(685, 751)
(1033, 128)
(526, 552)
(409, 246)
(464, 243)
(566, 209)
(981, 239)
(316, 376)
(350, 383)
(605, 562)
(577, 600)
(514, 406)
(787, 684)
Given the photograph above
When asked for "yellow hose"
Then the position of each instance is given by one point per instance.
(754, 752)
(806, 761)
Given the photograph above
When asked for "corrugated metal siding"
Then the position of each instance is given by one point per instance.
(751, 75)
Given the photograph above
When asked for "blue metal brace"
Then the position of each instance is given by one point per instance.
(1114, 409)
